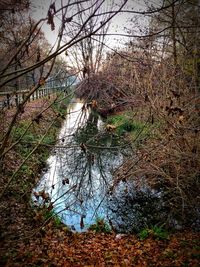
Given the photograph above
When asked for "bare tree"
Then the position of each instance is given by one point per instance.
(8, 75)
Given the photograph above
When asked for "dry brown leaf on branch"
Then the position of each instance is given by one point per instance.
(50, 16)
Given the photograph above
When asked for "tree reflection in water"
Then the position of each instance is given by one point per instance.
(80, 183)
(132, 209)
(80, 169)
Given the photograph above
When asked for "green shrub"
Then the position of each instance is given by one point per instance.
(124, 123)
(100, 226)
(143, 234)
(160, 233)
(49, 139)
(156, 232)
(51, 215)
(19, 130)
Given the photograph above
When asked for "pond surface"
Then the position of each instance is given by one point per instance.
(79, 171)
(79, 179)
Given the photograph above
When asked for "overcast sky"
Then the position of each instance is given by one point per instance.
(39, 10)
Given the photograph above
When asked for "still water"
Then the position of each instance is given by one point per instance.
(80, 182)
(80, 169)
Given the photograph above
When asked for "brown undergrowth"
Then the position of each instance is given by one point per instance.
(56, 247)
(25, 241)
(16, 214)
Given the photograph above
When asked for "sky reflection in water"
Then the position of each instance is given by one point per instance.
(78, 181)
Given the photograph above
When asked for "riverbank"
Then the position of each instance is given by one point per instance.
(34, 136)
(27, 241)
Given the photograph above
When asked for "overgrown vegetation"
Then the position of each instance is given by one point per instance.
(126, 124)
(33, 141)
(148, 91)
(29, 134)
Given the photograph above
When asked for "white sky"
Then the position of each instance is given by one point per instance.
(40, 8)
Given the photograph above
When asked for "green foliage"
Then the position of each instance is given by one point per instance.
(156, 232)
(27, 136)
(124, 123)
(61, 105)
(159, 233)
(19, 130)
(100, 226)
(51, 215)
(116, 119)
(50, 138)
(143, 234)
(26, 170)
